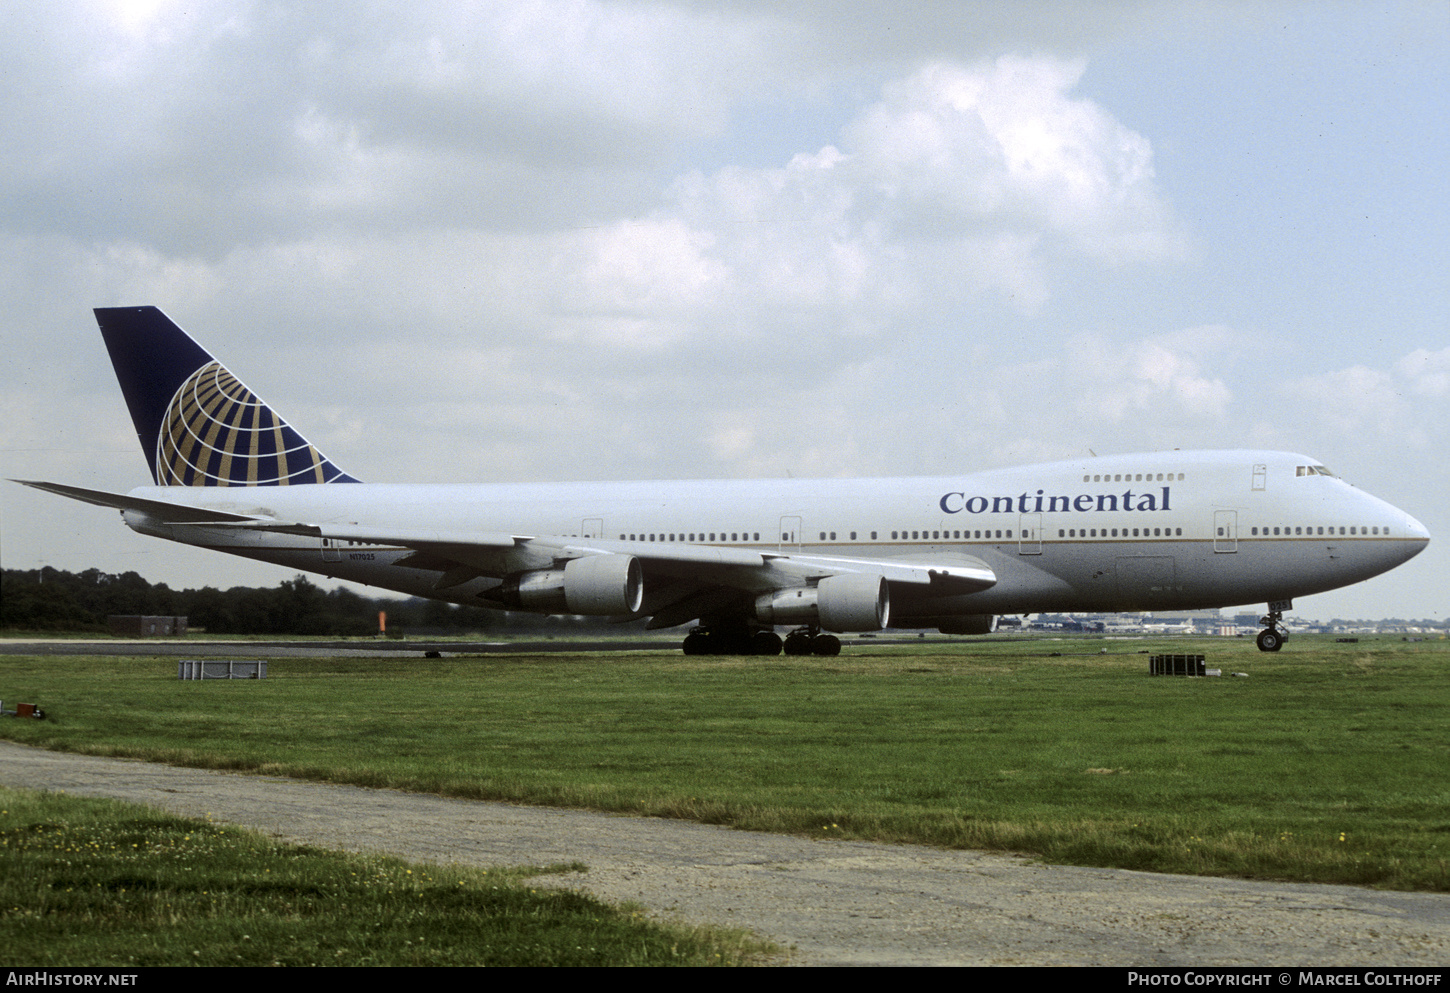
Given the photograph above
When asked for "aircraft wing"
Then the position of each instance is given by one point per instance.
(680, 580)
(953, 574)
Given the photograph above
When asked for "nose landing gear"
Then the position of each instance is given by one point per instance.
(1272, 638)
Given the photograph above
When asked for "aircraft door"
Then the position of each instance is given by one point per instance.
(1225, 530)
(1030, 542)
(790, 534)
(331, 550)
(593, 527)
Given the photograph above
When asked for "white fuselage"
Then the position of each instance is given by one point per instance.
(1131, 532)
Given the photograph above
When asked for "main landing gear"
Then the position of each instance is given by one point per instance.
(1272, 638)
(741, 640)
(809, 641)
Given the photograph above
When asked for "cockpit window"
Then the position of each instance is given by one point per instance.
(1312, 470)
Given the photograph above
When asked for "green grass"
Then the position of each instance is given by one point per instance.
(1330, 763)
(102, 883)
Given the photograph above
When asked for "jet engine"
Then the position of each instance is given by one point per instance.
(595, 584)
(850, 602)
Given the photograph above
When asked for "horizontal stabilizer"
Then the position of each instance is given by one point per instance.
(171, 513)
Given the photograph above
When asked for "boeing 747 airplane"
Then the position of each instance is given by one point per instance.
(1155, 531)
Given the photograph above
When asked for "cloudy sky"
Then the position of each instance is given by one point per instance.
(562, 239)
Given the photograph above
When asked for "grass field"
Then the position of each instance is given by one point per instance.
(1330, 762)
(102, 883)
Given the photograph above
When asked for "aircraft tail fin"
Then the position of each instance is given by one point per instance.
(197, 423)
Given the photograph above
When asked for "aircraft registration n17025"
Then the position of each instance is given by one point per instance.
(1151, 531)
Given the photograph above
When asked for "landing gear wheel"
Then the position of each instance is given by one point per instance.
(798, 643)
(766, 643)
(825, 644)
(697, 643)
(1270, 640)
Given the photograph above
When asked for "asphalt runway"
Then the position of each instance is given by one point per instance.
(380, 648)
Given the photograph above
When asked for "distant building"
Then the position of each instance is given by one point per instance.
(146, 626)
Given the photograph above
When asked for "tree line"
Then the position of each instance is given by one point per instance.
(50, 599)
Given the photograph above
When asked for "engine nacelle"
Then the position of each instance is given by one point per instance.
(967, 624)
(600, 585)
(850, 602)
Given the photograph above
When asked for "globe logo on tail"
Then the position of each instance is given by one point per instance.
(216, 432)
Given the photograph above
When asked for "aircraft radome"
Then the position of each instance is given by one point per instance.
(1152, 531)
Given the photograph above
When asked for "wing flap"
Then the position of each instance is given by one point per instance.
(953, 574)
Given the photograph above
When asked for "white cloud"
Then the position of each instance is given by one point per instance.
(960, 182)
(1427, 371)
(1405, 406)
(1155, 377)
(1005, 144)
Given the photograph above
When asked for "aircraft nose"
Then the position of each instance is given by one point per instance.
(1418, 533)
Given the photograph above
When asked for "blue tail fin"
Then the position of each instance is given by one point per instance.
(198, 424)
